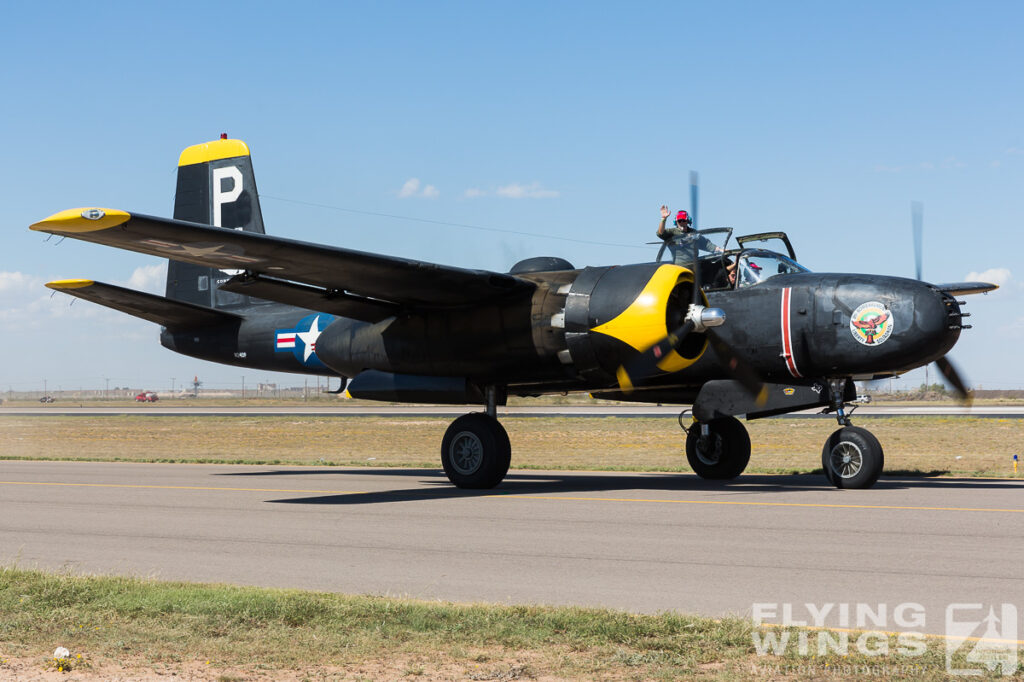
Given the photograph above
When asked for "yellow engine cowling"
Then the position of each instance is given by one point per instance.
(614, 313)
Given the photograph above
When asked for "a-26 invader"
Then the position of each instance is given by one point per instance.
(404, 330)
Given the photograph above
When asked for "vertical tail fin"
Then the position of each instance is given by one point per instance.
(216, 186)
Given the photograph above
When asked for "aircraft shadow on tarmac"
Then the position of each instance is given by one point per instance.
(435, 486)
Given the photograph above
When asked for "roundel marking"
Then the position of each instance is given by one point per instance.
(872, 323)
(301, 339)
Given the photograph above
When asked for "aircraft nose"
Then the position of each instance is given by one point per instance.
(880, 325)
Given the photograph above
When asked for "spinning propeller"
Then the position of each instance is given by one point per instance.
(693, 198)
(702, 320)
(945, 365)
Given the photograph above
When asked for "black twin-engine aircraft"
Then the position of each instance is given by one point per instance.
(774, 339)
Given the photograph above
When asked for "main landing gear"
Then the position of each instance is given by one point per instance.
(718, 450)
(475, 451)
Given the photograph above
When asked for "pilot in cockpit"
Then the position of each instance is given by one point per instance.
(726, 277)
(750, 273)
(681, 238)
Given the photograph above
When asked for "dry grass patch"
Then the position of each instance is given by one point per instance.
(960, 445)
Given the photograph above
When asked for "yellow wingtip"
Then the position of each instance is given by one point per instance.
(70, 284)
(89, 219)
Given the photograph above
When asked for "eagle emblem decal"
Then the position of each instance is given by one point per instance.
(871, 323)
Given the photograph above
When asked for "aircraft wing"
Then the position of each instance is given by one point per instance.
(965, 288)
(337, 270)
(171, 314)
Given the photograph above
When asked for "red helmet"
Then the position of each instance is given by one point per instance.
(683, 218)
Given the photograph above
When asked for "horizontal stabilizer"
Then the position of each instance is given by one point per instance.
(965, 288)
(174, 315)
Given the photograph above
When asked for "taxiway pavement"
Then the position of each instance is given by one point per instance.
(164, 409)
(641, 542)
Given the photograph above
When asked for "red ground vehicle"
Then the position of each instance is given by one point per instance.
(146, 397)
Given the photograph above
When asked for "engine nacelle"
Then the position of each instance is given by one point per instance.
(613, 313)
(577, 325)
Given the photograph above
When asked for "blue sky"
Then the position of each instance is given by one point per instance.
(571, 122)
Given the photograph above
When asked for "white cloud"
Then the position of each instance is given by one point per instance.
(1000, 276)
(15, 282)
(514, 190)
(948, 163)
(150, 278)
(31, 309)
(531, 191)
(411, 188)
(25, 301)
(21, 297)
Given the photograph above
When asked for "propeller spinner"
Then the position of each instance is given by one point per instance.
(702, 320)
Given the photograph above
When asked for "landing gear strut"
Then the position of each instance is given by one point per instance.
(475, 451)
(852, 457)
(718, 450)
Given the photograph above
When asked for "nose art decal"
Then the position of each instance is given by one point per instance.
(872, 323)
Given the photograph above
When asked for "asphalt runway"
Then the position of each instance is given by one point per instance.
(641, 542)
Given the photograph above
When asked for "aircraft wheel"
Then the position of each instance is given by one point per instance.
(475, 451)
(852, 458)
(721, 455)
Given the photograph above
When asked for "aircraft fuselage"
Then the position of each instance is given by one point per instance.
(793, 328)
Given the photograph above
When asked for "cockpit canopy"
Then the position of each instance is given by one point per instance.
(757, 265)
(717, 263)
(707, 242)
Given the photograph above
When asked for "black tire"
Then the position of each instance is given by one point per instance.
(475, 451)
(723, 454)
(852, 458)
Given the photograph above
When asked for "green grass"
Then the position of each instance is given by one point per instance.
(131, 624)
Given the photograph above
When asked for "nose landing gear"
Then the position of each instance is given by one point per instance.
(852, 457)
